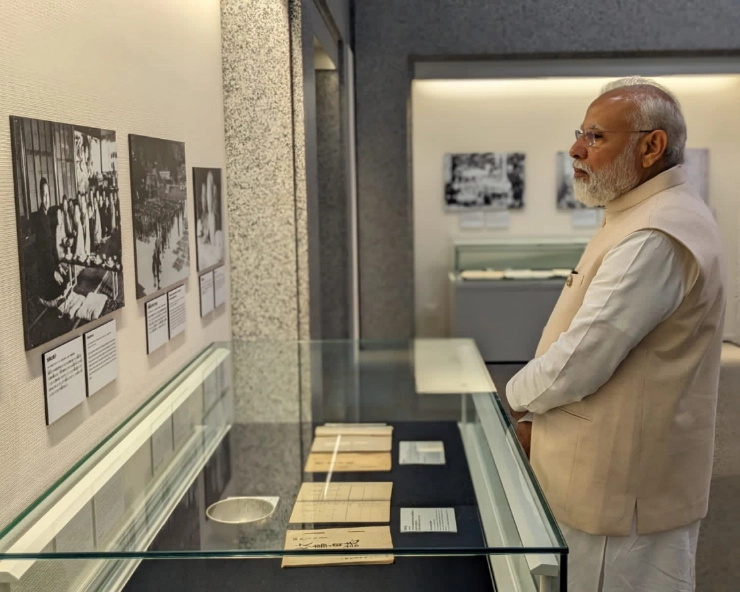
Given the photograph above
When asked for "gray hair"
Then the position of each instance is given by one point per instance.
(657, 108)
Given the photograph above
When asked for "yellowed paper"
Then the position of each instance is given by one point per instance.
(343, 502)
(369, 537)
(338, 512)
(379, 491)
(347, 462)
(354, 430)
(351, 443)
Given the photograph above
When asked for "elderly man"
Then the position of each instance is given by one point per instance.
(620, 400)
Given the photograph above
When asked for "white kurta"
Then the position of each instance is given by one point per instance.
(640, 283)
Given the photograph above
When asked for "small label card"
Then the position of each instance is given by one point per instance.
(206, 293)
(177, 311)
(219, 286)
(428, 520)
(64, 379)
(421, 453)
(101, 357)
(499, 219)
(157, 329)
(470, 220)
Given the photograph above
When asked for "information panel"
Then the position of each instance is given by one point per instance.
(157, 330)
(176, 306)
(219, 286)
(64, 379)
(206, 293)
(101, 357)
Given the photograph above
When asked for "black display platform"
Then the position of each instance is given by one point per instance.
(413, 486)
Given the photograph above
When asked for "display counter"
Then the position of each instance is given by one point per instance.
(322, 465)
(503, 291)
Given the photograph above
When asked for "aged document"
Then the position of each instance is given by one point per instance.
(369, 537)
(348, 462)
(352, 443)
(336, 512)
(360, 491)
(354, 429)
(343, 502)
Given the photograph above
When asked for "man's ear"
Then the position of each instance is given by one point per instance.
(653, 147)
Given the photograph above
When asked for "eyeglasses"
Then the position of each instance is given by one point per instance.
(593, 136)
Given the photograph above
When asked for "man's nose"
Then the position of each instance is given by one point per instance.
(578, 149)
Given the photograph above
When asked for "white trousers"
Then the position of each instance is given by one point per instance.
(658, 562)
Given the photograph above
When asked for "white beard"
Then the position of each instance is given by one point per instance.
(615, 179)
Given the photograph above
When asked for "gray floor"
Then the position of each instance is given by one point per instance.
(718, 555)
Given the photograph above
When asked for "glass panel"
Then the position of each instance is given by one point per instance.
(240, 421)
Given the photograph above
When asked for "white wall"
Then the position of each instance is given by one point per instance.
(538, 116)
(150, 67)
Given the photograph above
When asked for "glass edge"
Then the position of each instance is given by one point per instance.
(68, 474)
(279, 553)
(524, 461)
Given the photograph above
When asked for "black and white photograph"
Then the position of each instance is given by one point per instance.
(159, 196)
(69, 225)
(566, 199)
(209, 196)
(490, 180)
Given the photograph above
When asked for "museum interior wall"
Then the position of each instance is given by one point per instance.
(263, 106)
(536, 117)
(388, 36)
(148, 68)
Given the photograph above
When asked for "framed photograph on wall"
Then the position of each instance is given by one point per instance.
(490, 180)
(209, 202)
(159, 199)
(69, 225)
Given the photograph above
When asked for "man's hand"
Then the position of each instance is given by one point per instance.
(524, 434)
(517, 415)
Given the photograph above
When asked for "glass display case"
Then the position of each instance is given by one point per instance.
(213, 466)
(517, 257)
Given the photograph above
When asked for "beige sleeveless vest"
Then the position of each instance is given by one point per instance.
(645, 440)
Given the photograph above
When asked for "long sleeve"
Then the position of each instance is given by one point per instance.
(640, 283)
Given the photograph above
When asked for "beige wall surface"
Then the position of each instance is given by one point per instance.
(538, 116)
(150, 67)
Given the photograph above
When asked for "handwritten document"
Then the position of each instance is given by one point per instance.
(318, 492)
(331, 539)
(348, 462)
(352, 443)
(343, 502)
